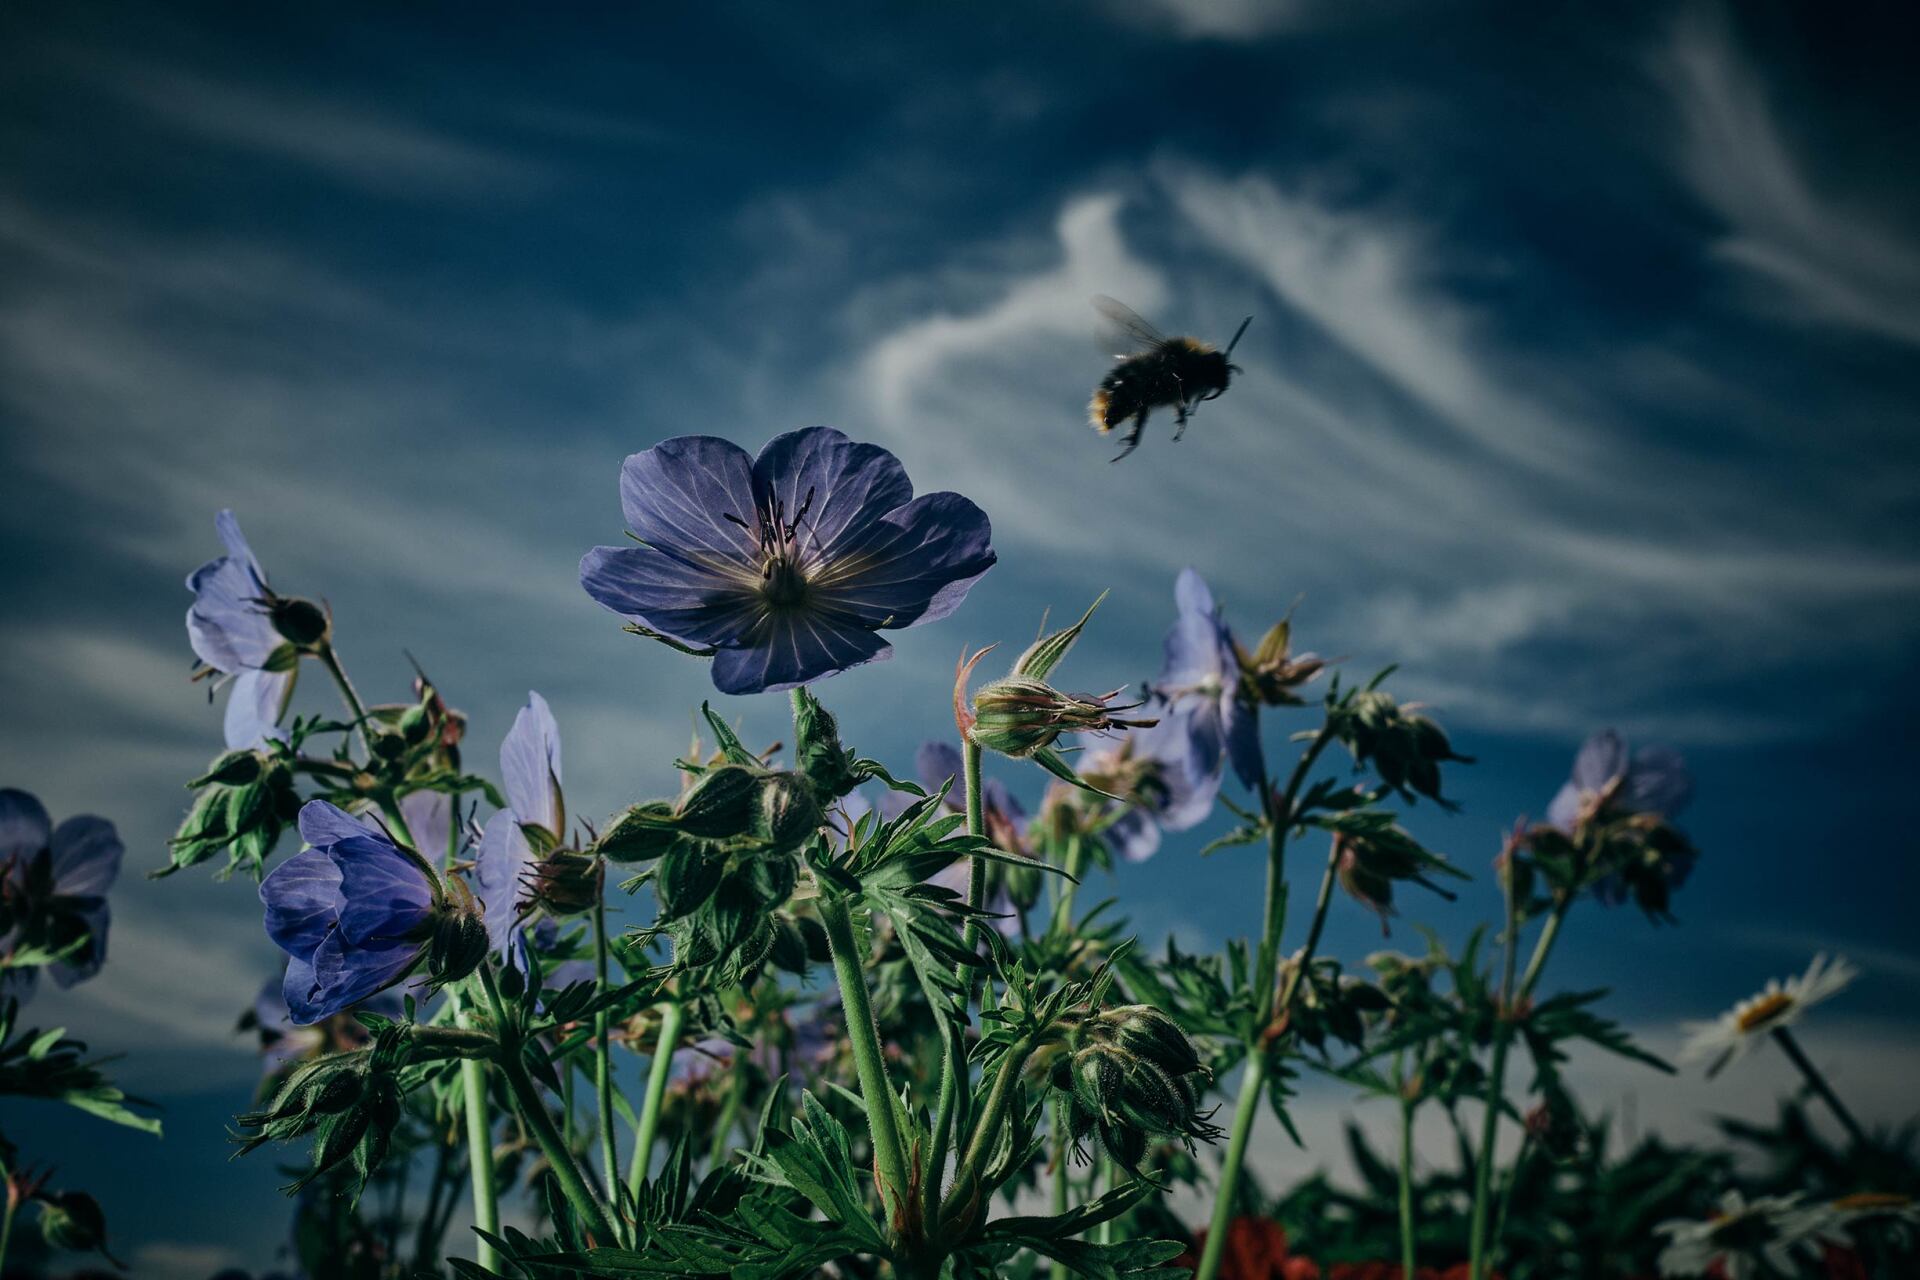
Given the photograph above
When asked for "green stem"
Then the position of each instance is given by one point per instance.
(331, 660)
(889, 1151)
(603, 1051)
(953, 1062)
(723, 1128)
(1281, 816)
(986, 1129)
(1074, 864)
(486, 1198)
(1058, 1271)
(6, 1215)
(1506, 1188)
(672, 1016)
(1819, 1084)
(1406, 1186)
(1479, 1245)
(593, 1214)
(1110, 1178)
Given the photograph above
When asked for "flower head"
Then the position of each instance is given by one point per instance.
(1166, 783)
(53, 893)
(1606, 779)
(535, 815)
(1777, 1006)
(240, 631)
(785, 567)
(1201, 676)
(284, 1042)
(1740, 1240)
(356, 915)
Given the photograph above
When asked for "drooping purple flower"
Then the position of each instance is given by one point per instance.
(1200, 677)
(53, 888)
(786, 566)
(354, 914)
(284, 1042)
(1651, 780)
(530, 775)
(235, 640)
(1167, 777)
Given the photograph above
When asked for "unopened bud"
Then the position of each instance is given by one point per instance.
(301, 623)
(1019, 715)
(641, 834)
(565, 883)
(73, 1220)
(720, 803)
(789, 813)
(459, 943)
(234, 769)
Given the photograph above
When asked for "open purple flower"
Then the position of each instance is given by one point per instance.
(283, 1042)
(535, 812)
(1200, 679)
(787, 566)
(53, 892)
(1166, 773)
(356, 915)
(236, 641)
(1651, 780)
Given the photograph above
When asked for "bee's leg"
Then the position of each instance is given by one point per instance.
(1179, 419)
(1132, 440)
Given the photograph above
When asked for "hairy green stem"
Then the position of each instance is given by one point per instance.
(1480, 1246)
(953, 1062)
(1252, 1081)
(331, 661)
(1061, 1143)
(1406, 1170)
(672, 1017)
(1074, 864)
(980, 1144)
(580, 1193)
(473, 1099)
(603, 1049)
(876, 1091)
(1818, 1082)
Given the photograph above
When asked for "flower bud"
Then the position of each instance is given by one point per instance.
(73, 1220)
(720, 804)
(301, 623)
(789, 813)
(641, 834)
(565, 883)
(459, 942)
(1271, 674)
(1022, 883)
(1019, 715)
(1404, 748)
(817, 750)
(1144, 1030)
(234, 769)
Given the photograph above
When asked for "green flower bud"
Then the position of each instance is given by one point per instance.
(641, 834)
(566, 883)
(1019, 715)
(788, 811)
(720, 805)
(459, 942)
(301, 623)
(73, 1220)
(1148, 1032)
(817, 750)
(234, 769)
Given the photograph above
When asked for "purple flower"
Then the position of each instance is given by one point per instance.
(700, 1061)
(53, 891)
(234, 638)
(283, 1042)
(356, 916)
(1200, 677)
(530, 775)
(786, 566)
(1652, 780)
(1166, 776)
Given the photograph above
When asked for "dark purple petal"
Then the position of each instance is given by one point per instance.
(695, 604)
(497, 869)
(1134, 836)
(851, 486)
(1206, 735)
(341, 975)
(676, 497)
(791, 648)
(1240, 724)
(1658, 782)
(1602, 758)
(936, 762)
(383, 895)
(302, 898)
(86, 857)
(530, 766)
(913, 565)
(25, 828)
(85, 962)
(255, 702)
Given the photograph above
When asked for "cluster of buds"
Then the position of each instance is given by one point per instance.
(1370, 859)
(727, 804)
(350, 1102)
(1271, 675)
(1620, 856)
(243, 801)
(1404, 747)
(1327, 1005)
(1132, 1075)
(412, 738)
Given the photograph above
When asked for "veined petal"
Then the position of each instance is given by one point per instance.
(530, 766)
(323, 823)
(704, 604)
(382, 894)
(255, 702)
(497, 868)
(851, 485)
(791, 648)
(676, 497)
(429, 816)
(1602, 758)
(302, 900)
(86, 857)
(1658, 781)
(913, 565)
(341, 975)
(228, 629)
(25, 828)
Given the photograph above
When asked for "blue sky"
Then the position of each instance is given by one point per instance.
(1581, 383)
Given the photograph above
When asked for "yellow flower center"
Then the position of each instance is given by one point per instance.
(1764, 1010)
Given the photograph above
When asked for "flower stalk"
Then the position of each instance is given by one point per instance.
(1817, 1081)
(889, 1151)
(672, 1017)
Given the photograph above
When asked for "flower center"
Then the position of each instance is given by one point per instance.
(783, 578)
(1764, 1010)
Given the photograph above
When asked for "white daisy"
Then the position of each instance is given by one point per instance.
(1778, 1006)
(1896, 1214)
(1738, 1238)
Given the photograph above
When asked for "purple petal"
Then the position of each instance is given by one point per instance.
(676, 497)
(383, 895)
(913, 565)
(1658, 782)
(1240, 723)
(700, 604)
(497, 869)
(341, 975)
(843, 486)
(255, 702)
(1197, 655)
(1602, 758)
(25, 828)
(302, 898)
(1564, 811)
(226, 626)
(86, 857)
(1188, 782)
(792, 648)
(937, 761)
(429, 818)
(85, 962)
(994, 797)
(1134, 836)
(323, 823)
(530, 766)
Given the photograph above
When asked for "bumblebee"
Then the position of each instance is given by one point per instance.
(1155, 370)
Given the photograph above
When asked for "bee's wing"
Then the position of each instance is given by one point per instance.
(1123, 331)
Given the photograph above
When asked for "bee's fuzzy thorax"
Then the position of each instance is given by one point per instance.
(1194, 345)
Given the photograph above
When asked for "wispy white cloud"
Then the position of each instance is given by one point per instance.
(1824, 256)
